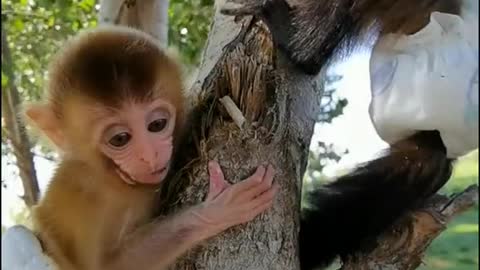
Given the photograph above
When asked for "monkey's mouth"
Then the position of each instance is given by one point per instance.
(130, 180)
(125, 176)
(159, 172)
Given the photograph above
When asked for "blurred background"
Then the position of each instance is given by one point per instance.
(32, 30)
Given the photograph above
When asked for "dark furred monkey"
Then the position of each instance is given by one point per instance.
(311, 33)
(353, 211)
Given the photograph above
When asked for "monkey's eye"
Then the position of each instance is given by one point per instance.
(120, 139)
(157, 125)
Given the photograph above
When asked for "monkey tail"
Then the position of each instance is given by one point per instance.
(349, 214)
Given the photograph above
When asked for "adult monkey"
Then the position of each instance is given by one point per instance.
(424, 77)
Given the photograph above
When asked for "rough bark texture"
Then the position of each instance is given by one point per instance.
(15, 131)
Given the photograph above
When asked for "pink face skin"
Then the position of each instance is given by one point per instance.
(139, 140)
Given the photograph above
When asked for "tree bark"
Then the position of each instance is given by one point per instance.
(150, 16)
(277, 107)
(403, 247)
(256, 108)
(15, 131)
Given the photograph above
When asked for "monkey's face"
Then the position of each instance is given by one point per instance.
(138, 138)
(114, 101)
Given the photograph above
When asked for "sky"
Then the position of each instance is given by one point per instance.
(352, 130)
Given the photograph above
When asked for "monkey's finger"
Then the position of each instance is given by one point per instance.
(265, 185)
(265, 197)
(261, 203)
(249, 183)
(217, 180)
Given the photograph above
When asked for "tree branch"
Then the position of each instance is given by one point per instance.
(16, 131)
(403, 247)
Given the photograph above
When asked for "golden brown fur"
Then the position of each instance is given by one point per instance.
(82, 192)
(68, 204)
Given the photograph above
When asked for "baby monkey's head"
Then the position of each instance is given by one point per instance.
(115, 101)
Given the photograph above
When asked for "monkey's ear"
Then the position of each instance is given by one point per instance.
(43, 117)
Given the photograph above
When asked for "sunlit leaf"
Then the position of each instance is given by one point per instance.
(86, 5)
(51, 21)
(4, 80)
(18, 24)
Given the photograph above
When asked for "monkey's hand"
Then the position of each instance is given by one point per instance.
(228, 205)
(21, 250)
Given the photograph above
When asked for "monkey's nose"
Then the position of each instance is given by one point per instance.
(150, 159)
(152, 164)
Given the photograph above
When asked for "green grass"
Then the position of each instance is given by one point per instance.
(457, 247)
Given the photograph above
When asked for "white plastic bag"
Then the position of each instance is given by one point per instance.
(21, 250)
(428, 81)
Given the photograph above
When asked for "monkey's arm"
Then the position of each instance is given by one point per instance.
(312, 32)
(158, 244)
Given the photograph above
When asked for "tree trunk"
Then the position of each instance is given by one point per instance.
(251, 118)
(255, 109)
(150, 16)
(15, 131)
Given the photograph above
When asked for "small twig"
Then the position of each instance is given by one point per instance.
(233, 111)
(461, 202)
(24, 14)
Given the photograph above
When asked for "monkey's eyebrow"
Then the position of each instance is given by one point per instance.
(100, 113)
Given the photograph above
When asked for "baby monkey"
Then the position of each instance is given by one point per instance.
(115, 110)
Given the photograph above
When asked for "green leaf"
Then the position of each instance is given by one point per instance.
(4, 80)
(87, 5)
(51, 21)
(18, 24)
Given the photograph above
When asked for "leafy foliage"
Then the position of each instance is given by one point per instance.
(35, 30)
(320, 154)
(331, 105)
(189, 25)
